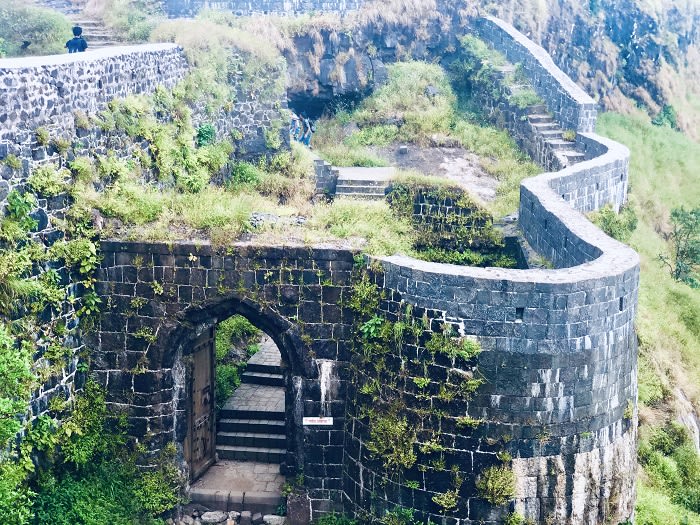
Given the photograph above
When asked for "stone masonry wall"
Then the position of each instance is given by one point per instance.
(559, 358)
(573, 108)
(295, 294)
(179, 8)
(36, 91)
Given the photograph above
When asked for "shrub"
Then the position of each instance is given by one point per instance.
(206, 134)
(245, 173)
(13, 162)
(15, 496)
(16, 382)
(43, 138)
(45, 30)
(684, 238)
(524, 99)
(46, 181)
(619, 226)
(666, 117)
(496, 484)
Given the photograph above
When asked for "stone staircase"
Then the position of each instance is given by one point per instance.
(96, 33)
(553, 136)
(252, 424)
(363, 183)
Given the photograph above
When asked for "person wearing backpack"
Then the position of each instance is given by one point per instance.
(77, 44)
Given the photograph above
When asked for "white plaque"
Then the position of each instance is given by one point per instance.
(318, 421)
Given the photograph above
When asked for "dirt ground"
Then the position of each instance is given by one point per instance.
(456, 164)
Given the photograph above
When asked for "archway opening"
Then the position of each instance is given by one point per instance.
(239, 435)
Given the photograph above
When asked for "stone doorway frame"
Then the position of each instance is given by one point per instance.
(194, 321)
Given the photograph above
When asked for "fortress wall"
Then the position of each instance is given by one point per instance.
(40, 91)
(559, 353)
(179, 8)
(570, 104)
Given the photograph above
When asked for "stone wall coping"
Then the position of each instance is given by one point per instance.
(79, 58)
(615, 258)
(204, 248)
(541, 55)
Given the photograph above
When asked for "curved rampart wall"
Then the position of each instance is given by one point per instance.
(559, 359)
(572, 106)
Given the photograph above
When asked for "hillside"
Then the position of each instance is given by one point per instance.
(628, 53)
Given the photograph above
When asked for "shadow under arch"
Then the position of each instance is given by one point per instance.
(296, 364)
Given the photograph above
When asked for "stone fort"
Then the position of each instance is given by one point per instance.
(559, 356)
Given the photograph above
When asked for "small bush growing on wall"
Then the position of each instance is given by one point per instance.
(46, 181)
(496, 484)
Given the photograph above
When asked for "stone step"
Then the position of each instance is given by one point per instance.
(572, 156)
(263, 455)
(226, 501)
(540, 117)
(362, 182)
(360, 188)
(544, 126)
(262, 426)
(251, 413)
(263, 368)
(550, 133)
(558, 144)
(361, 197)
(537, 109)
(262, 378)
(251, 439)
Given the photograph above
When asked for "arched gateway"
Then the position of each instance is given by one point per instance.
(155, 342)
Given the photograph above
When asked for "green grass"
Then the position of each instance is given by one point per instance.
(384, 232)
(663, 175)
(419, 106)
(46, 30)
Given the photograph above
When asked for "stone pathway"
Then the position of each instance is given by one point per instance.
(251, 441)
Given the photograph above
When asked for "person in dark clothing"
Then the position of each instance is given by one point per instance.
(77, 44)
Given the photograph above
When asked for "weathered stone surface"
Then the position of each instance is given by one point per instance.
(271, 519)
(298, 509)
(214, 517)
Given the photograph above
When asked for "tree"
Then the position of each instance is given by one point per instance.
(684, 263)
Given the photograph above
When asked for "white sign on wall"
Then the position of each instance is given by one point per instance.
(318, 421)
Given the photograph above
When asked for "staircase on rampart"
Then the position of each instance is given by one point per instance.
(553, 136)
(95, 32)
(364, 183)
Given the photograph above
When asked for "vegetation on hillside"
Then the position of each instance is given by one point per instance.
(30, 30)
(662, 177)
(419, 106)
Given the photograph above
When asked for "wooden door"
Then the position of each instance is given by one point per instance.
(202, 420)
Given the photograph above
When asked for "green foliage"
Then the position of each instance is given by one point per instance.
(83, 169)
(619, 226)
(666, 117)
(453, 347)
(13, 162)
(245, 173)
(46, 30)
(391, 440)
(206, 134)
(16, 383)
(46, 181)
(334, 519)
(525, 98)
(399, 516)
(684, 263)
(19, 206)
(133, 19)
(386, 234)
(375, 135)
(43, 137)
(234, 331)
(496, 484)
(80, 254)
(15, 496)
(569, 135)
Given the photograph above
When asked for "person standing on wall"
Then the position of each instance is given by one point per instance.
(77, 44)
